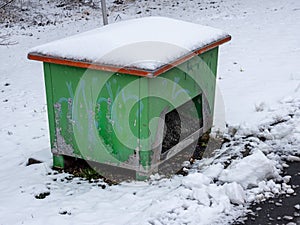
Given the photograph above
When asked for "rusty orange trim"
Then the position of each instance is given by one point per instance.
(60, 61)
(125, 70)
(189, 56)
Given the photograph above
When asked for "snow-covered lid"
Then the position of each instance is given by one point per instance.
(146, 46)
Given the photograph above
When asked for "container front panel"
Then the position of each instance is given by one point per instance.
(86, 121)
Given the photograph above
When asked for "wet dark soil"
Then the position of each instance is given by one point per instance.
(279, 210)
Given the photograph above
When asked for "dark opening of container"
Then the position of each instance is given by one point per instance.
(181, 122)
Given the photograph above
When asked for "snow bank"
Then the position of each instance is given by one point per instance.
(249, 170)
(145, 43)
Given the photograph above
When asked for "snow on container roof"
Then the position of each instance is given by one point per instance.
(146, 46)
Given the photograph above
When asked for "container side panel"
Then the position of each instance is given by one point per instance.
(167, 92)
(208, 74)
(144, 131)
(203, 70)
(185, 88)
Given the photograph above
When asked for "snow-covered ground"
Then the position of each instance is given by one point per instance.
(259, 79)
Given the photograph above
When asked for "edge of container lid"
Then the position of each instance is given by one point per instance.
(127, 70)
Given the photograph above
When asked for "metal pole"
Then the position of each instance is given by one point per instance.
(104, 12)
